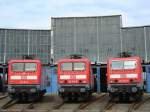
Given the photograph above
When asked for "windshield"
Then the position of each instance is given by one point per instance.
(18, 67)
(73, 66)
(79, 66)
(66, 66)
(119, 65)
(24, 67)
(30, 66)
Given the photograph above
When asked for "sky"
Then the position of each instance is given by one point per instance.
(36, 14)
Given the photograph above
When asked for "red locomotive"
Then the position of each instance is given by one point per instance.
(124, 77)
(74, 78)
(25, 79)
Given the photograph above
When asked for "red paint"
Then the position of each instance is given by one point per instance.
(24, 74)
(124, 72)
(73, 74)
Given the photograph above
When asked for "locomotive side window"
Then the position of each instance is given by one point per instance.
(66, 66)
(30, 66)
(18, 67)
(79, 66)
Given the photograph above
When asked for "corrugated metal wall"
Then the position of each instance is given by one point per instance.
(147, 34)
(2, 35)
(109, 37)
(40, 44)
(133, 40)
(63, 37)
(136, 40)
(18, 42)
(94, 37)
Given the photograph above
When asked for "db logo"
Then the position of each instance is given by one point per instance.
(24, 77)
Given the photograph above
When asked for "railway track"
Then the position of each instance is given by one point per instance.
(58, 106)
(136, 105)
(99, 103)
(131, 107)
(77, 105)
(9, 104)
(86, 104)
(14, 106)
(26, 107)
(108, 106)
(4, 96)
(30, 106)
(139, 104)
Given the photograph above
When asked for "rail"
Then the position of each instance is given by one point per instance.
(9, 104)
(109, 105)
(84, 105)
(4, 96)
(58, 106)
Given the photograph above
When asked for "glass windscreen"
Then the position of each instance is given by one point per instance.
(24, 67)
(79, 66)
(73, 66)
(118, 65)
(66, 66)
(30, 66)
(18, 67)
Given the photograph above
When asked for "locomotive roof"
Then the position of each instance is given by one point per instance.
(25, 60)
(126, 58)
(73, 60)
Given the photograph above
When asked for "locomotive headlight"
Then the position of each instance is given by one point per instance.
(134, 89)
(82, 76)
(64, 77)
(114, 76)
(132, 75)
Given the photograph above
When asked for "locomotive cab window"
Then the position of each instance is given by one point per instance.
(74, 66)
(129, 64)
(79, 66)
(119, 65)
(18, 67)
(66, 66)
(30, 66)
